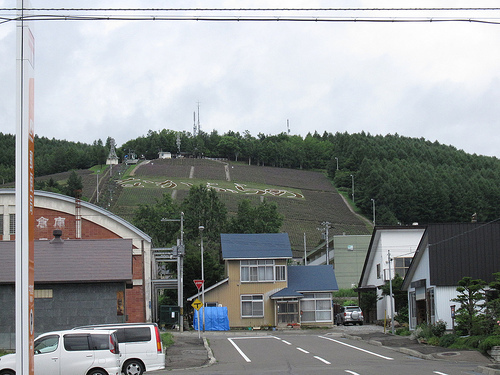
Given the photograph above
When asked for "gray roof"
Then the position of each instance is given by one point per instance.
(308, 279)
(457, 250)
(73, 261)
(256, 246)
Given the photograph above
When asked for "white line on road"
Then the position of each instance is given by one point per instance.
(439, 373)
(322, 360)
(286, 342)
(239, 351)
(303, 351)
(351, 372)
(355, 347)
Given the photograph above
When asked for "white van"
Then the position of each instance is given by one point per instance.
(85, 352)
(140, 345)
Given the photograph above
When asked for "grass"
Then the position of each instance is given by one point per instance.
(167, 339)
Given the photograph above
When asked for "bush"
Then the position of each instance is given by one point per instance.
(403, 331)
(439, 328)
(433, 341)
(467, 342)
(488, 343)
(447, 340)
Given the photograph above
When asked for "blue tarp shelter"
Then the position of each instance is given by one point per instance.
(216, 319)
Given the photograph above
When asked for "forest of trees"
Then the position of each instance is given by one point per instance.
(410, 179)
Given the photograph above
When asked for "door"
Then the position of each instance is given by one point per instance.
(48, 355)
(78, 357)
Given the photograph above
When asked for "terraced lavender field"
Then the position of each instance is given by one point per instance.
(305, 198)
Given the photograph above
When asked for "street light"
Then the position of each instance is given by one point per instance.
(373, 210)
(336, 158)
(201, 227)
(352, 188)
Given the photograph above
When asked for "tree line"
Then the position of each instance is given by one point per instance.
(406, 179)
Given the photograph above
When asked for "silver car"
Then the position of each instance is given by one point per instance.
(349, 314)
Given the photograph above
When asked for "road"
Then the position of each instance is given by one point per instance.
(318, 354)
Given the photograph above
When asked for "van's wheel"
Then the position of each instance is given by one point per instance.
(7, 372)
(97, 372)
(133, 367)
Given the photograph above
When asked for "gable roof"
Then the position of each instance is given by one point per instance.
(308, 279)
(256, 246)
(457, 250)
(73, 261)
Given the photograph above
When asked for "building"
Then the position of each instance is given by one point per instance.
(446, 254)
(77, 282)
(261, 290)
(398, 242)
(79, 220)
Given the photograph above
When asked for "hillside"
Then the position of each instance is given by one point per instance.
(305, 198)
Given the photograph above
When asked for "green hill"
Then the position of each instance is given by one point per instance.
(305, 198)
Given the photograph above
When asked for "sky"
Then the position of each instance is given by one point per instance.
(96, 79)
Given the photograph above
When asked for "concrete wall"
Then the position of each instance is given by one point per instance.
(71, 305)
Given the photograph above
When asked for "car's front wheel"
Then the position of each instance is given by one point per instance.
(7, 372)
(133, 367)
(97, 372)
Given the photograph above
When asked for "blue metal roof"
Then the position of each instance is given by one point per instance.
(308, 279)
(256, 246)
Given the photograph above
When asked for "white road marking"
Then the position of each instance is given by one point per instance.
(239, 351)
(303, 351)
(439, 373)
(286, 342)
(355, 347)
(351, 372)
(322, 360)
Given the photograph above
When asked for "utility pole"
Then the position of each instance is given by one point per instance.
(373, 210)
(390, 291)
(201, 227)
(352, 176)
(326, 226)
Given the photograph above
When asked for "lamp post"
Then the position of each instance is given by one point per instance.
(97, 188)
(352, 176)
(337, 159)
(373, 210)
(201, 227)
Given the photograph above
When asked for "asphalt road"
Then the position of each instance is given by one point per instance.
(318, 353)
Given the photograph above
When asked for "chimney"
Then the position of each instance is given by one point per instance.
(57, 236)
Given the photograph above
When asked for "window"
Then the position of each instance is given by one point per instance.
(1, 224)
(12, 223)
(257, 270)
(133, 334)
(100, 342)
(74, 343)
(43, 293)
(379, 273)
(252, 306)
(47, 344)
(401, 266)
(280, 273)
(316, 307)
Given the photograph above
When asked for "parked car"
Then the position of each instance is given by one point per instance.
(85, 352)
(349, 314)
(140, 344)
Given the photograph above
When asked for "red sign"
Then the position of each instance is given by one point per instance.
(198, 283)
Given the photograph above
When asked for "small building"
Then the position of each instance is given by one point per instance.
(446, 254)
(398, 242)
(261, 289)
(77, 282)
(164, 155)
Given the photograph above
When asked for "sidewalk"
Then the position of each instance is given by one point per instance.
(189, 351)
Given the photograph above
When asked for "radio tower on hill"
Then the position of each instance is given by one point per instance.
(196, 128)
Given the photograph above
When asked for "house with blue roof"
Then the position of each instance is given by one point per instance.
(261, 289)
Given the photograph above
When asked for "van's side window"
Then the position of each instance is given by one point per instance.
(133, 334)
(100, 342)
(76, 342)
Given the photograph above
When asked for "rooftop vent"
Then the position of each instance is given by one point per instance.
(57, 236)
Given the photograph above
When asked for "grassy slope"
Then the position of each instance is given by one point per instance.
(305, 198)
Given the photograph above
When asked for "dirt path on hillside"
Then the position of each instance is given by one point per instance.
(364, 219)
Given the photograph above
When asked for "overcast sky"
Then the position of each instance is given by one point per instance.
(94, 79)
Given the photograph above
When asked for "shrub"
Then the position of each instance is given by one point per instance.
(447, 340)
(403, 331)
(433, 341)
(467, 342)
(488, 343)
(439, 328)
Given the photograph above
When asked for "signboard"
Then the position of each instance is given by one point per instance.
(197, 304)
(198, 283)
